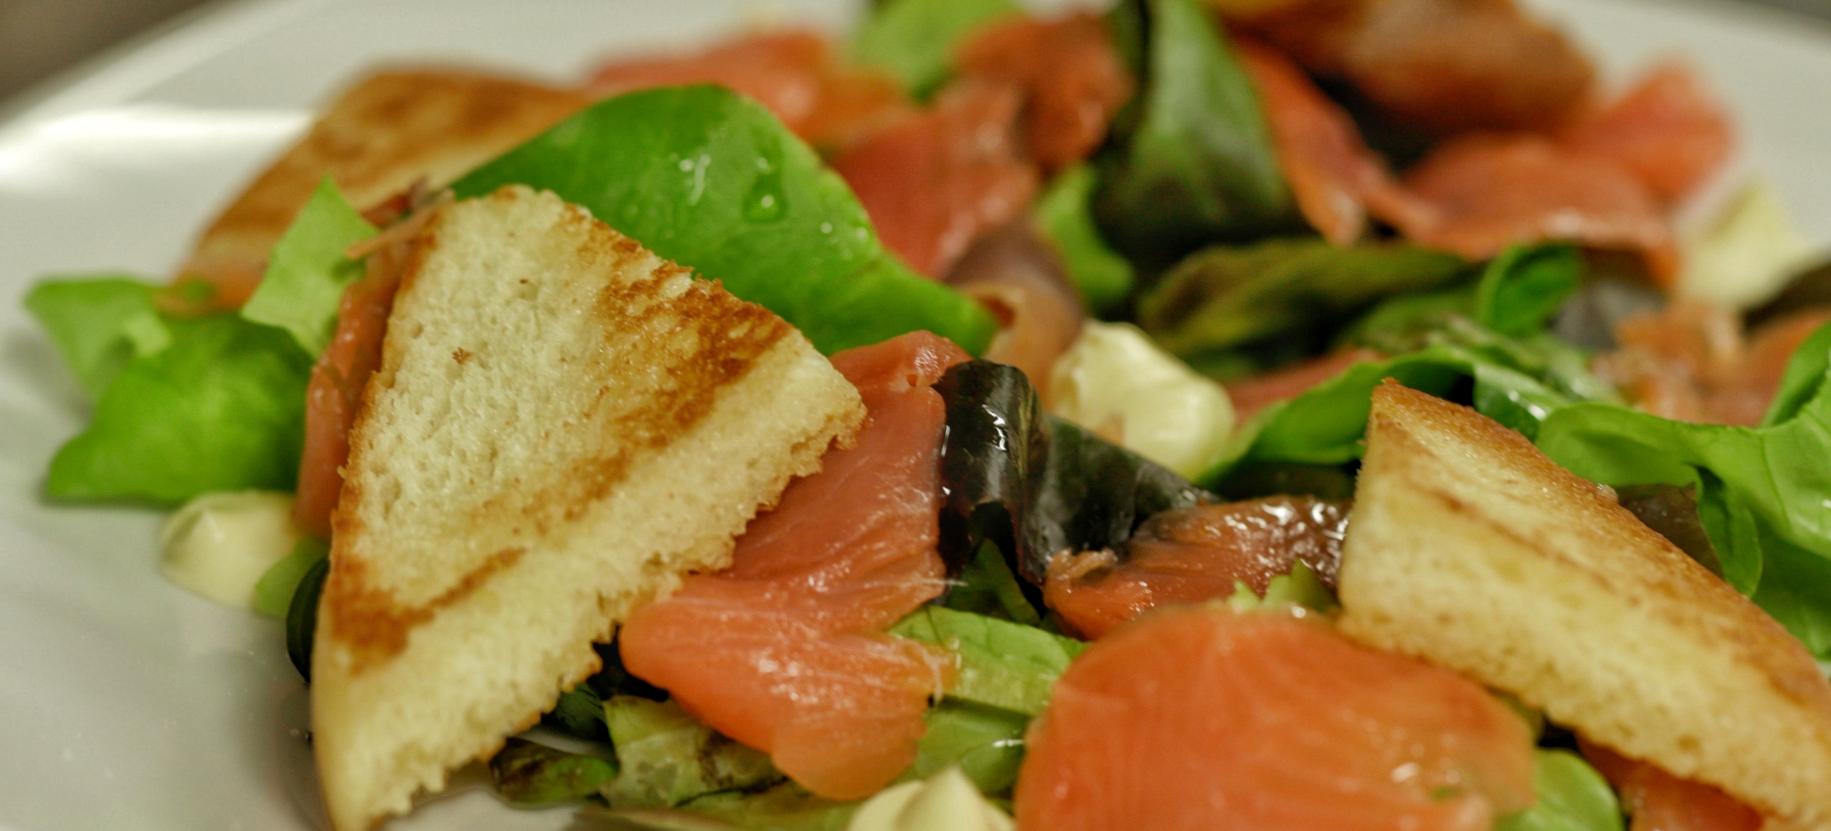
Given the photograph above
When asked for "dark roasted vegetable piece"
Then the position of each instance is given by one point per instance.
(1811, 289)
(302, 617)
(531, 774)
(1032, 485)
(1588, 319)
(1673, 511)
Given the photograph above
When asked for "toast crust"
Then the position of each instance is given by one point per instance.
(1472, 549)
(379, 136)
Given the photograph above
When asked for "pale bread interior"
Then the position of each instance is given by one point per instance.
(562, 424)
(1468, 547)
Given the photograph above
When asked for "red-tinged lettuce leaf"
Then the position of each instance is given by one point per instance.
(710, 180)
(1035, 486)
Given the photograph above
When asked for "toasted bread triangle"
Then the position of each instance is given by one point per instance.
(1468, 547)
(385, 132)
(561, 425)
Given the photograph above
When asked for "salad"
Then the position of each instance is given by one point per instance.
(1156, 263)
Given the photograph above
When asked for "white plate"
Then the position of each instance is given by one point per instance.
(127, 703)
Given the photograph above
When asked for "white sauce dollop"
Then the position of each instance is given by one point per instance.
(1116, 382)
(219, 544)
(946, 801)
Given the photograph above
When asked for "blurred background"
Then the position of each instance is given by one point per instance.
(40, 37)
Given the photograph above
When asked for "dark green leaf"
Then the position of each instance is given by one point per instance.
(1325, 425)
(579, 712)
(1288, 294)
(1065, 214)
(302, 617)
(1191, 159)
(221, 407)
(1521, 290)
(1572, 796)
(1805, 373)
(709, 179)
(668, 757)
(1515, 294)
(1036, 486)
(914, 40)
(98, 324)
(307, 271)
(273, 593)
(1001, 664)
(530, 775)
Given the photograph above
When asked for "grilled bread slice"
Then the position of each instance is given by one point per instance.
(561, 425)
(1470, 548)
(380, 136)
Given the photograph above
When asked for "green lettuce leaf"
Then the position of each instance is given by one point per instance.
(307, 271)
(1281, 298)
(1300, 588)
(668, 758)
(98, 324)
(987, 743)
(1572, 796)
(221, 407)
(784, 807)
(986, 586)
(529, 774)
(1516, 294)
(1764, 493)
(1002, 664)
(709, 179)
(273, 592)
(1191, 159)
(1325, 424)
(914, 40)
(1064, 213)
(1521, 290)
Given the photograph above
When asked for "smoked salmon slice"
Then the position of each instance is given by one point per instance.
(1667, 129)
(784, 650)
(333, 394)
(1329, 167)
(1481, 194)
(1658, 801)
(1194, 554)
(1202, 718)
(1070, 77)
(792, 73)
(934, 182)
